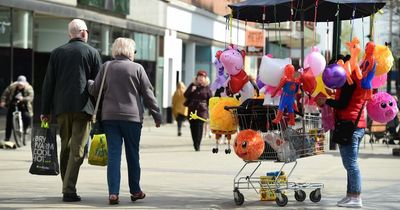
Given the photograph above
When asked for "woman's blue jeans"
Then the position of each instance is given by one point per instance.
(116, 132)
(349, 155)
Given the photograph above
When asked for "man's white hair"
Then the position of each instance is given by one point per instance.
(75, 27)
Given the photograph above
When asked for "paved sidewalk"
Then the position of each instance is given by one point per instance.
(176, 177)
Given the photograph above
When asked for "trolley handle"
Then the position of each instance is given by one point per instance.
(251, 107)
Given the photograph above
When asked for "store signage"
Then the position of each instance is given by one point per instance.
(254, 38)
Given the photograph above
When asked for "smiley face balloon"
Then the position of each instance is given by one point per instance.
(249, 145)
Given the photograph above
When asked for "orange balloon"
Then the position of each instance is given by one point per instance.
(249, 145)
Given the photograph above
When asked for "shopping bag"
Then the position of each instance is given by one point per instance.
(44, 151)
(98, 153)
(328, 118)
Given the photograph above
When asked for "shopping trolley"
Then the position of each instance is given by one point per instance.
(284, 145)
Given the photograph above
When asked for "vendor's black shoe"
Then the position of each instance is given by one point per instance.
(71, 197)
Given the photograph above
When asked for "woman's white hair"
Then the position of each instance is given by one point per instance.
(124, 46)
(75, 27)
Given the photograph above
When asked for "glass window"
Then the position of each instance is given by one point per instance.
(145, 46)
(139, 46)
(95, 36)
(152, 48)
(5, 27)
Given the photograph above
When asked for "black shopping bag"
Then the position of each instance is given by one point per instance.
(44, 151)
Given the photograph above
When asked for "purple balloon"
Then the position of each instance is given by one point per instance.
(334, 76)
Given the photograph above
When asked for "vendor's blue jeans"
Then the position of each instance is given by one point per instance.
(116, 132)
(349, 155)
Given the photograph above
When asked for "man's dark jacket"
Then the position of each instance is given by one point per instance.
(65, 84)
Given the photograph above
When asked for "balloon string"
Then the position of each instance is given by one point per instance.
(352, 23)
(230, 28)
(315, 20)
(337, 32)
(362, 20)
(237, 28)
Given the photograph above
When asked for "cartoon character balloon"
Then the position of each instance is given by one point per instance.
(315, 61)
(368, 69)
(249, 145)
(352, 64)
(270, 73)
(238, 82)
(220, 77)
(290, 85)
(382, 107)
(384, 59)
(334, 76)
(271, 70)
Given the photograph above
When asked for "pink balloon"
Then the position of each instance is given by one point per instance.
(316, 61)
(378, 81)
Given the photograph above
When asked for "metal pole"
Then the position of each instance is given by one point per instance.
(11, 46)
(337, 30)
(336, 44)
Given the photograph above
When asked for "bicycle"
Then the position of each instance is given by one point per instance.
(18, 127)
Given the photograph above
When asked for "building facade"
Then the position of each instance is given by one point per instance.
(174, 38)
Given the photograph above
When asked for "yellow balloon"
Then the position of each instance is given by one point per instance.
(320, 87)
(384, 59)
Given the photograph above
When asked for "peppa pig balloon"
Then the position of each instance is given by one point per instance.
(271, 70)
(334, 76)
(232, 59)
(238, 81)
(315, 61)
(382, 107)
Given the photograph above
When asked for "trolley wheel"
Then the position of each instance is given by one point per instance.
(238, 197)
(315, 196)
(300, 195)
(227, 151)
(282, 202)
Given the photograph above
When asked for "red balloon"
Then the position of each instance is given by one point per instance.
(249, 145)
(308, 80)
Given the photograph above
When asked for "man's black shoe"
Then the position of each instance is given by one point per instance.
(71, 197)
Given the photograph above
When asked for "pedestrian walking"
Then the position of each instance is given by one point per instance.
(197, 95)
(179, 110)
(126, 86)
(65, 95)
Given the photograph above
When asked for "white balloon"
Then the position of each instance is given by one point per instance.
(271, 70)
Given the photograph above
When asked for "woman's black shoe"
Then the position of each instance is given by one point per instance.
(71, 197)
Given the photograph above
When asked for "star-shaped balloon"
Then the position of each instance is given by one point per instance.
(320, 87)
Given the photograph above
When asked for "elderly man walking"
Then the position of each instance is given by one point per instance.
(65, 95)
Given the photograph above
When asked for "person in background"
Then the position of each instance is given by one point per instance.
(65, 95)
(179, 110)
(197, 95)
(126, 86)
(20, 94)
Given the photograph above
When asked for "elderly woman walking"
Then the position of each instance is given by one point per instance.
(126, 85)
